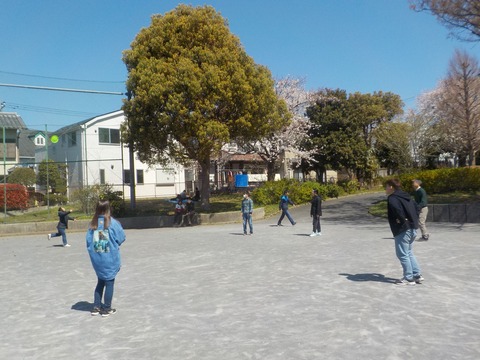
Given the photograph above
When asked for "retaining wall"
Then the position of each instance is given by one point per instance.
(143, 222)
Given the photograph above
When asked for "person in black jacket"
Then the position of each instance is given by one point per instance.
(316, 212)
(62, 226)
(403, 220)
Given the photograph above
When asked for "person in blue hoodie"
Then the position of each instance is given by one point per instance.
(104, 237)
(403, 220)
(283, 205)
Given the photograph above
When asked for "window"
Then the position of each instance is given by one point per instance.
(72, 139)
(102, 176)
(139, 176)
(108, 136)
(126, 176)
(39, 140)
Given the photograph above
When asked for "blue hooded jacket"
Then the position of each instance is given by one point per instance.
(103, 246)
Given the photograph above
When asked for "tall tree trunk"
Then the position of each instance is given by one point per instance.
(205, 183)
(271, 170)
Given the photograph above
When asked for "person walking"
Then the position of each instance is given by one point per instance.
(283, 205)
(104, 237)
(316, 212)
(403, 220)
(62, 226)
(247, 210)
(420, 196)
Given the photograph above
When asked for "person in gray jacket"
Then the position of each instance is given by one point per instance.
(247, 210)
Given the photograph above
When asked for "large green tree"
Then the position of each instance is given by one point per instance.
(342, 129)
(193, 88)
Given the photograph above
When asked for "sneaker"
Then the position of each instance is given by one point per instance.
(418, 279)
(404, 281)
(313, 234)
(319, 234)
(49, 236)
(294, 224)
(425, 237)
(279, 225)
(107, 312)
(95, 311)
(67, 245)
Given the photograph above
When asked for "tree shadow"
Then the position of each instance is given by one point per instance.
(369, 277)
(82, 306)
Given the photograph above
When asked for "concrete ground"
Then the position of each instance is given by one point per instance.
(208, 292)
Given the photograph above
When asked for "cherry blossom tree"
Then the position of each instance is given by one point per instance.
(273, 149)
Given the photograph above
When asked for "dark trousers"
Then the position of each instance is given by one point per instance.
(289, 217)
(316, 223)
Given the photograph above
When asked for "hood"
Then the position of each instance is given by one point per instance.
(402, 194)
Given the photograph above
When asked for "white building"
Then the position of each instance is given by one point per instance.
(94, 154)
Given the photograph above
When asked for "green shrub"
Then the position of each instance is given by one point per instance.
(299, 192)
(442, 181)
(89, 196)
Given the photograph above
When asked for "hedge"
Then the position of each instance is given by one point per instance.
(299, 192)
(17, 196)
(441, 181)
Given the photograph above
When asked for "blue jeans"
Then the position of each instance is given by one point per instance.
(404, 252)
(289, 217)
(108, 285)
(61, 232)
(247, 218)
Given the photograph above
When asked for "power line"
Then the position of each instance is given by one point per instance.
(63, 89)
(47, 110)
(60, 78)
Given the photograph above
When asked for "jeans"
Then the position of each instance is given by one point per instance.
(247, 218)
(108, 285)
(289, 217)
(61, 232)
(404, 251)
(316, 224)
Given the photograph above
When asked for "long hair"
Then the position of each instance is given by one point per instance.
(103, 208)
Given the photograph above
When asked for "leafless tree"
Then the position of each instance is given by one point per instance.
(462, 17)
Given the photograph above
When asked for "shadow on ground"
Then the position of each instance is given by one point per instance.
(369, 277)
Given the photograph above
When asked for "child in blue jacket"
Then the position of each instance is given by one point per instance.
(104, 237)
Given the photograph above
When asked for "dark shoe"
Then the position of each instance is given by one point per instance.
(418, 279)
(279, 225)
(425, 237)
(404, 281)
(107, 312)
(294, 224)
(95, 311)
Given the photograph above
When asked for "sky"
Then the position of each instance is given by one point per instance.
(355, 45)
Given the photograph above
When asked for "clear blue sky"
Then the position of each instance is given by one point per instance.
(356, 45)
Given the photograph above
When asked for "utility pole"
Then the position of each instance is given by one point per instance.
(132, 164)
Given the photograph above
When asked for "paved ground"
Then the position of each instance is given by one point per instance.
(209, 292)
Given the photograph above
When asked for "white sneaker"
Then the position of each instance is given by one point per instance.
(318, 234)
(67, 245)
(313, 234)
(49, 236)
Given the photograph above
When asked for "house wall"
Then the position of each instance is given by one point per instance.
(92, 160)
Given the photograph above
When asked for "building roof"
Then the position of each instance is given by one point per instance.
(11, 120)
(26, 146)
(78, 124)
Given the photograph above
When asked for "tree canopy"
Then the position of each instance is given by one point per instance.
(193, 88)
(22, 175)
(462, 17)
(342, 129)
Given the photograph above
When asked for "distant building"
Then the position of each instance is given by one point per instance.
(11, 124)
(94, 153)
